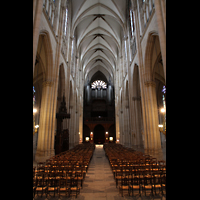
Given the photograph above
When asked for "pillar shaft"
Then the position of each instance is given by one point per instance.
(36, 27)
(44, 138)
(161, 31)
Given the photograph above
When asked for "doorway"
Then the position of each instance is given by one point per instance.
(99, 134)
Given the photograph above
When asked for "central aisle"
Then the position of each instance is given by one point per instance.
(99, 182)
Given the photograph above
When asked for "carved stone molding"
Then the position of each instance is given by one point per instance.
(134, 4)
(136, 98)
(150, 83)
(47, 83)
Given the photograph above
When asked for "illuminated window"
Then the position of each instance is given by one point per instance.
(65, 23)
(99, 84)
(132, 23)
(164, 89)
(164, 102)
(33, 96)
(163, 96)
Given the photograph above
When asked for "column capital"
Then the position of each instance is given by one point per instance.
(47, 83)
(150, 83)
(136, 98)
(125, 37)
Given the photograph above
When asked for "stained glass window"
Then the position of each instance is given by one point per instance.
(99, 84)
(132, 22)
(164, 105)
(164, 89)
(33, 96)
(65, 27)
(163, 96)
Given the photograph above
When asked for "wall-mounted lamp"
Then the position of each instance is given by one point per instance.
(111, 139)
(34, 110)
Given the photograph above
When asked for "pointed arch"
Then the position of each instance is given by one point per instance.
(49, 54)
(148, 74)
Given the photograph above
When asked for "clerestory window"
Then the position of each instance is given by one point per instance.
(65, 23)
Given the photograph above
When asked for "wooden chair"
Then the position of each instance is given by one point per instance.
(79, 175)
(134, 184)
(161, 162)
(41, 185)
(74, 187)
(34, 184)
(64, 187)
(163, 168)
(119, 175)
(124, 185)
(41, 167)
(83, 170)
(52, 186)
(163, 182)
(157, 181)
(148, 184)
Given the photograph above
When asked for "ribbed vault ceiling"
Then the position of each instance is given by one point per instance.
(98, 26)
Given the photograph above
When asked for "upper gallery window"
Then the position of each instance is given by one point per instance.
(65, 23)
(132, 23)
(99, 84)
(33, 96)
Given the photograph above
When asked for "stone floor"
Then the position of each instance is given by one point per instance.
(99, 183)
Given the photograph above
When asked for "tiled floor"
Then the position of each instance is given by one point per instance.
(99, 183)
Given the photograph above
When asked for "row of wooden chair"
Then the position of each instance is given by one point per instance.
(135, 170)
(64, 172)
(143, 183)
(48, 183)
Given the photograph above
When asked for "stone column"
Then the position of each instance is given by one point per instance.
(126, 128)
(137, 136)
(56, 78)
(138, 31)
(121, 125)
(133, 125)
(153, 135)
(43, 147)
(161, 31)
(36, 28)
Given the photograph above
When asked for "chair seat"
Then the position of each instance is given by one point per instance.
(148, 186)
(135, 186)
(124, 187)
(74, 188)
(157, 186)
(79, 178)
(52, 188)
(118, 177)
(63, 189)
(40, 188)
